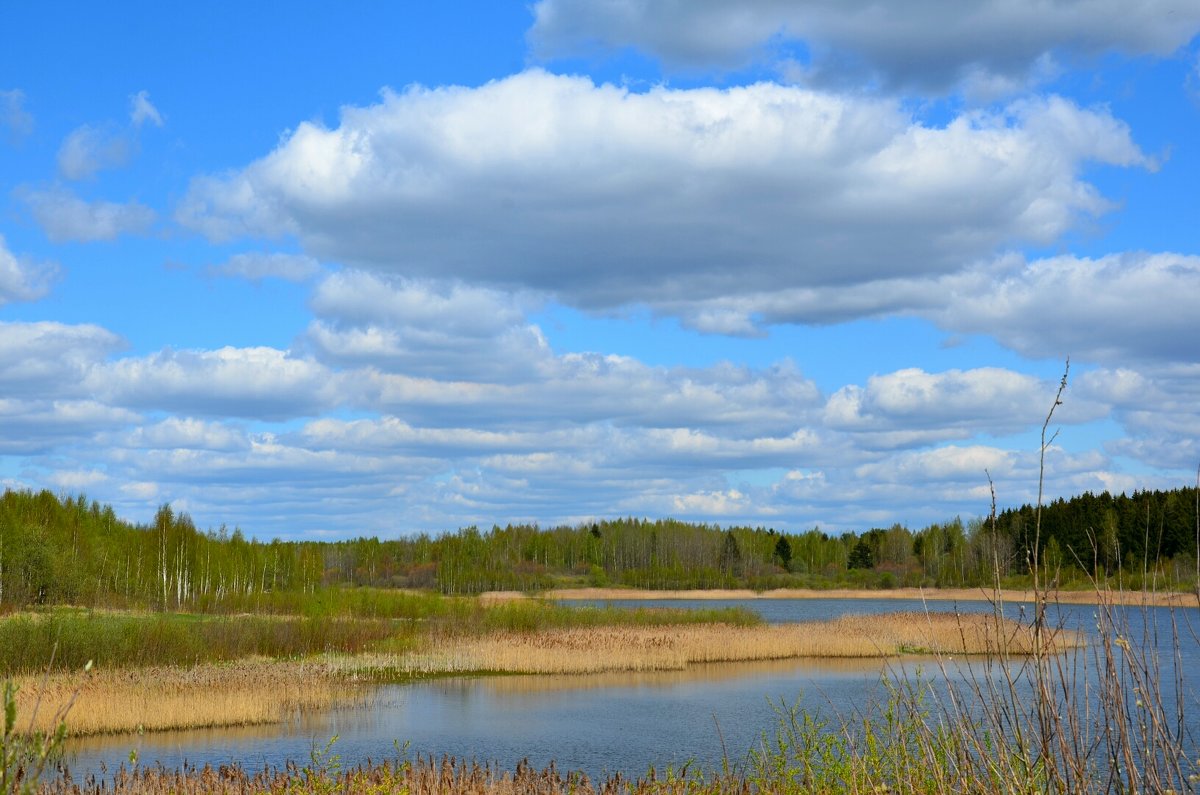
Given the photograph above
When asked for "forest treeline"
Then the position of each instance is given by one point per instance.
(67, 550)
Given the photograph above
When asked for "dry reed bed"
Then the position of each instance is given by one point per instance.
(633, 648)
(253, 691)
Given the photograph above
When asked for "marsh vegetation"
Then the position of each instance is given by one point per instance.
(1113, 726)
(967, 727)
(235, 683)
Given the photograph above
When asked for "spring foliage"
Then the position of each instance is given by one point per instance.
(67, 550)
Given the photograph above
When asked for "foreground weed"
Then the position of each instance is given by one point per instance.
(24, 755)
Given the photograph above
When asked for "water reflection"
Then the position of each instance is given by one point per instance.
(116, 749)
(701, 673)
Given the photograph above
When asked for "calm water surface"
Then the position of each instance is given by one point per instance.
(599, 724)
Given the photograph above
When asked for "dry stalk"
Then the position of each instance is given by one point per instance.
(155, 699)
(608, 649)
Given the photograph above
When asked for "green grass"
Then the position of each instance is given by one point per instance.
(532, 615)
(29, 643)
(330, 602)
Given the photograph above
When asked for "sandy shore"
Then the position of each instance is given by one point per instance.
(927, 594)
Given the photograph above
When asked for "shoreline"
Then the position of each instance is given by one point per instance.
(1135, 598)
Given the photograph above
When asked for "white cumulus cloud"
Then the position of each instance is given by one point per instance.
(1118, 309)
(186, 433)
(604, 197)
(424, 328)
(912, 407)
(262, 383)
(712, 503)
(51, 360)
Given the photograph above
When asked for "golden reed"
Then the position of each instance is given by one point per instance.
(649, 648)
(247, 692)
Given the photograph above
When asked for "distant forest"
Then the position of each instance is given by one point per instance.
(67, 550)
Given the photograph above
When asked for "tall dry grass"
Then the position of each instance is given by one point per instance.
(649, 648)
(156, 699)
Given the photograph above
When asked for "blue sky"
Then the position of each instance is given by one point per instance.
(321, 271)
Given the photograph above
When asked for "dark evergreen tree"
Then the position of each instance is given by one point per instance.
(783, 552)
(861, 556)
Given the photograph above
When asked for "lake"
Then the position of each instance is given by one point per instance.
(614, 722)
